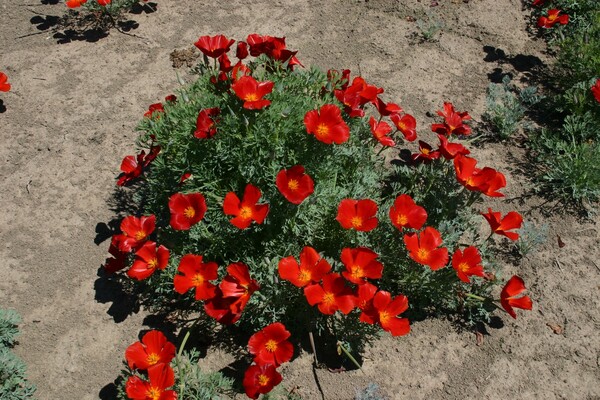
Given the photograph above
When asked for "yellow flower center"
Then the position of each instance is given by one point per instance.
(357, 272)
(402, 219)
(139, 235)
(198, 280)
(189, 212)
(152, 358)
(322, 131)
(328, 298)
(552, 17)
(293, 184)
(153, 393)
(422, 255)
(304, 276)
(401, 126)
(251, 97)
(152, 264)
(464, 267)
(271, 345)
(425, 151)
(356, 222)
(263, 380)
(246, 212)
(384, 316)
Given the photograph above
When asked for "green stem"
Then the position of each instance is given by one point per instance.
(347, 353)
(177, 358)
(476, 297)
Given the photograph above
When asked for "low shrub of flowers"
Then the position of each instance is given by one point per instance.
(284, 203)
(102, 15)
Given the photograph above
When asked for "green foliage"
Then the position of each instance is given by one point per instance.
(13, 384)
(371, 392)
(531, 236)
(429, 26)
(199, 385)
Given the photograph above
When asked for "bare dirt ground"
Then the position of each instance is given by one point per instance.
(71, 117)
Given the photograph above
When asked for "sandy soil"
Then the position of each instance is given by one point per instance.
(70, 119)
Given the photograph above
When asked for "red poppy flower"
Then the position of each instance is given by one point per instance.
(486, 180)
(273, 47)
(135, 232)
(196, 274)
(270, 345)
(405, 213)
(538, 3)
(154, 348)
(294, 184)
(467, 263)
(380, 131)
(152, 154)
(239, 70)
(311, 269)
(327, 124)
(493, 181)
(453, 122)
(449, 112)
(118, 261)
(387, 109)
(160, 378)
(246, 210)
(333, 295)
(186, 210)
(364, 299)
(252, 92)
(451, 150)
(206, 123)
(595, 89)
(260, 379)
(4, 85)
(407, 124)
(426, 153)
(132, 167)
(508, 299)
(424, 249)
(225, 64)
(361, 264)
(501, 226)
(241, 50)
(171, 98)
(552, 18)
(385, 311)
(147, 260)
(154, 110)
(357, 214)
(184, 177)
(214, 46)
(75, 3)
(104, 2)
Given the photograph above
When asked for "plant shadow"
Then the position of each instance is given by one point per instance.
(527, 65)
(2, 107)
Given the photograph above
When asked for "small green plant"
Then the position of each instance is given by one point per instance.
(429, 26)
(101, 15)
(13, 384)
(531, 236)
(371, 392)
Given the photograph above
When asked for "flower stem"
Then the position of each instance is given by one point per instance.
(476, 297)
(347, 353)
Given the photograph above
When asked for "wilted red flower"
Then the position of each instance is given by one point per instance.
(327, 124)
(186, 210)
(501, 226)
(4, 85)
(387, 109)
(270, 345)
(252, 92)
(426, 153)
(486, 180)
(225, 64)
(508, 299)
(196, 274)
(154, 348)
(103, 2)
(160, 378)
(171, 98)
(451, 150)
(405, 213)
(214, 46)
(206, 123)
(246, 210)
(273, 47)
(119, 258)
(380, 131)
(595, 90)
(467, 263)
(239, 70)
(154, 110)
(148, 259)
(357, 214)
(385, 311)
(294, 184)
(361, 264)
(407, 124)
(333, 295)
(552, 18)
(424, 249)
(131, 168)
(135, 232)
(260, 379)
(241, 50)
(538, 3)
(75, 3)
(311, 269)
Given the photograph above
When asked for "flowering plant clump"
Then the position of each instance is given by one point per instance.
(102, 14)
(265, 201)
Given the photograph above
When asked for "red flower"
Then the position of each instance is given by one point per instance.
(4, 85)
(154, 110)
(118, 260)
(552, 18)
(132, 167)
(252, 92)
(161, 377)
(449, 112)
(311, 269)
(186, 210)
(508, 299)
(135, 232)
(467, 263)
(538, 3)
(385, 311)
(273, 47)
(184, 177)
(294, 184)
(595, 89)
(361, 263)
(451, 150)
(355, 96)
(387, 109)
(104, 2)
(154, 348)
(239, 70)
(206, 123)
(357, 214)
(260, 379)
(406, 214)
(241, 50)
(499, 225)
(214, 46)
(424, 248)
(327, 124)
(270, 345)
(364, 300)
(407, 124)
(246, 210)
(426, 153)
(486, 180)
(333, 295)
(453, 122)
(225, 64)
(196, 274)
(147, 259)
(75, 3)
(380, 131)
